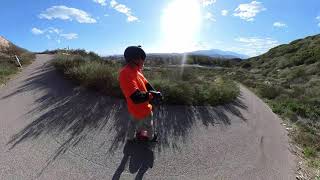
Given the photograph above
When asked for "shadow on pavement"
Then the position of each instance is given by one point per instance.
(64, 108)
(140, 158)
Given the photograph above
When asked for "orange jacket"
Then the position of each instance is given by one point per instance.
(132, 79)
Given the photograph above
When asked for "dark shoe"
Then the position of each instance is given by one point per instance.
(154, 139)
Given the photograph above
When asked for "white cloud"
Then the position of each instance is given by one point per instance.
(69, 36)
(113, 3)
(101, 2)
(254, 46)
(249, 11)
(66, 13)
(54, 33)
(224, 12)
(210, 17)
(37, 31)
(132, 18)
(279, 24)
(106, 15)
(50, 30)
(207, 2)
(124, 10)
(54, 30)
(318, 18)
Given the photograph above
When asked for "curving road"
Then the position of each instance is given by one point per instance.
(52, 129)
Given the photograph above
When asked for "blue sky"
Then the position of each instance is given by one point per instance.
(109, 26)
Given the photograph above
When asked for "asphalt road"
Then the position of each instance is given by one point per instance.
(52, 129)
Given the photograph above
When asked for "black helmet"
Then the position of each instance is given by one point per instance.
(134, 52)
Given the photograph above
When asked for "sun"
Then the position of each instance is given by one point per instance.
(180, 24)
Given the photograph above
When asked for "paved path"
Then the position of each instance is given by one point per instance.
(50, 129)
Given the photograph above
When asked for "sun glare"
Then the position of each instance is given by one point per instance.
(180, 22)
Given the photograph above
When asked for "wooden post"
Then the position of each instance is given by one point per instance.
(18, 61)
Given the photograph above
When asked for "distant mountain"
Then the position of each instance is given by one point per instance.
(213, 53)
(219, 54)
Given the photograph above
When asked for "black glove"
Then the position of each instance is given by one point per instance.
(157, 96)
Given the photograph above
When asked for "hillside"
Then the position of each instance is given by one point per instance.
(4, 44)
(288, 78)
(7, 48)
(7, 60)
(299, 52)
(294, 70)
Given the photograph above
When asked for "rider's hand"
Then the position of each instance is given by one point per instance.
(157, 96)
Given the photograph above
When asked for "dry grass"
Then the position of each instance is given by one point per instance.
(192, 87)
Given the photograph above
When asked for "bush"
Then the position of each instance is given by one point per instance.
(309, 152)
(202, 94)
(6, 69)
(223, 91)
(182, 89)
(178, 93)
(194, 91)
(315, 163)
(269, 91)
(249, 83)
(90, 73)
(8, 64)
(296, 73)
(246, 65)
(307, 136)
(293, 117)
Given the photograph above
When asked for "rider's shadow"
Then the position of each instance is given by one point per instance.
(140, 157)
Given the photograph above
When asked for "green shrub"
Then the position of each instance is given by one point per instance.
(179, 87)
(293, 117)
(202, 94)
(26, 58)
(296, 73)
(309, 152)
(223, 91)
(246, 65)
(8, 64)
(179, 93)
(307, 136)
(6, 69)
(91, 73)
(269, 91)
(315, 163)
(249, 83)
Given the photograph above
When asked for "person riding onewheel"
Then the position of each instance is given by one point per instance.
(138, 93)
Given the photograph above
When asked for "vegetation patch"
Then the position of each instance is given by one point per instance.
(288, 79)
(193, 86)
(8, 65)
(188, 86)
(6, 69)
